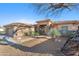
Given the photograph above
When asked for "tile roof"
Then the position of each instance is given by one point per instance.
(67, 22)
(18, 24)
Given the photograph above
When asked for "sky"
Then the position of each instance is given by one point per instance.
(26, 13)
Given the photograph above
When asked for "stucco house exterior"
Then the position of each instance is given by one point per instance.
(44, 26)
(68, 25)
(18, 29)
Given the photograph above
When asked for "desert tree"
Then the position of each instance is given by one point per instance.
(55, 8)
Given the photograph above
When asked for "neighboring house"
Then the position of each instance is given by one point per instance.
(18, 29)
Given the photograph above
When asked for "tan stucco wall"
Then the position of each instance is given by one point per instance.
(70, 26)
(20, 32)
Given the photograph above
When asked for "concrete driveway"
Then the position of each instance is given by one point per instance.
(48, 47)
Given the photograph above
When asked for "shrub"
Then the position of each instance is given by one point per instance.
(55, 32)
(34, 33)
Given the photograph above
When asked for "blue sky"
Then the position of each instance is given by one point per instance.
(23, 12)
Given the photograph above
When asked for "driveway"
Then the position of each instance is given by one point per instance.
(48, 47)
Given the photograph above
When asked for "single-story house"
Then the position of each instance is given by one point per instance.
(67, 25)
(18, 29)
(44, 26)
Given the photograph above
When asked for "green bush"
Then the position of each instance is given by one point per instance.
(55, 32)
(34, 33)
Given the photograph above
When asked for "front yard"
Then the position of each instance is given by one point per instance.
(34, 47)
